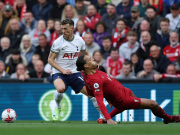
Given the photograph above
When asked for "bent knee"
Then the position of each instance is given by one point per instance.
(60, 89)
(154, 104)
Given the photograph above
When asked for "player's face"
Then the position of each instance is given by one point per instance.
(90, 63)
(67, 30)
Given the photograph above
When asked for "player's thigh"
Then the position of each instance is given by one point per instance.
(59, 85)
(148, 104)
(84, 91)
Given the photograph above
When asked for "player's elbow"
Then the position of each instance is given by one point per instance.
(50, 60)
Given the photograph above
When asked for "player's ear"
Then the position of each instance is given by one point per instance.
(85, 66)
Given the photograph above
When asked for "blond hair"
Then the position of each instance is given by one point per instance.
(73, 10)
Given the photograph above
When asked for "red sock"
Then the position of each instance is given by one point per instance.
(114, 112)
(162, 114)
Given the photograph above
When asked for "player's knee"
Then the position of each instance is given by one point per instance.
(154, 104)
(60, 90)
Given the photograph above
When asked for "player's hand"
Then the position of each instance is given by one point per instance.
(67, 72)
(110, 121)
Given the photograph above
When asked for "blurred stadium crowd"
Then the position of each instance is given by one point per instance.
(129, 39)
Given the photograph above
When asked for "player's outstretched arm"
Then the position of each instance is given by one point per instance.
(53, 63)
(85, 52)
(103, 109)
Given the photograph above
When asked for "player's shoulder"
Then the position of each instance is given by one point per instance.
(76, 37)
(59, 40)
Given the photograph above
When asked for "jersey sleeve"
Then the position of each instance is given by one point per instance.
(56, 47)
(96, 87)
(83, 46)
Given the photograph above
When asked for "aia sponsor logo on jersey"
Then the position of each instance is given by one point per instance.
(70, 55)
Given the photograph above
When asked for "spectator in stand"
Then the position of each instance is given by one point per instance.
(100, 28)
(41, 29)
(137, 63)
(120, 33)
(172, 51)
(90, 45)
(126, 71)
(131, 46)
(26, 48)
(15, 34)
(20, 6)
(28, 23)
(174, 18)
(91, 18)
(170, 73)
(43, 48)
(110, 18)
(144, 49)
(148, 71)
(153, 19)
(167, 6)
(3, 74)
(101, 7)
(158, 5)
(4, 48)
(52, 2)
(5, 16)
(81, 8)
(71, 13)
(162, 35)
(56, 11)
(13, 60)
(159, 60)
(135, 20)
(50, 25)
(34, 58)
(30, 4)
(97, 56)
(39, 70)
(21, 72)
(2, 5)
(142, 7)
(57, 32)
(80, 28)
(144, 26)
(114, 63)
(107, 46)
(42, 10)
(123, 9)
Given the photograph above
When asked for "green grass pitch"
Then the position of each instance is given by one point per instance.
(87, 128)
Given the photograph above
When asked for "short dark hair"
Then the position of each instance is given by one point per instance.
(28, 11)
(42, 34)
(114, 49)
(96, 52)
(80, 63)
(151, 7)
(164, 20)
(78, 1)
(111, 4)
(15, 52)
(106, 37)
(67, 21)
(50, 19)
(101, 23)
(127, 63)
(123, 20)
(132, 33)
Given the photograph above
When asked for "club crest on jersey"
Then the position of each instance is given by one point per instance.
(70, 55)
(96, 85)
(77, 48)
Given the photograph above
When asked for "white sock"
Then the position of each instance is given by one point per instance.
(93, 99)
(58, 97)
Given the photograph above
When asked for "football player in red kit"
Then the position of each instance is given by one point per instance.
(100, 85)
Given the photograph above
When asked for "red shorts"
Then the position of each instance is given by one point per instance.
(129, 101)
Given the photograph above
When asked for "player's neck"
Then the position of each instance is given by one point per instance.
(70, 38)
(90, 72)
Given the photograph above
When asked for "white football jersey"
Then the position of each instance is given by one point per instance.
(68, 52)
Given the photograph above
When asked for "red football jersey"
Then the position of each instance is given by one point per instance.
(172, 52)
(115, 66)
(102, 84)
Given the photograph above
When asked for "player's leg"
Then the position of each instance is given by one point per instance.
(58, 95)
(93, 99)
(158, 111)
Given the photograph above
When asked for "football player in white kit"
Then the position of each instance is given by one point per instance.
(63, 55)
